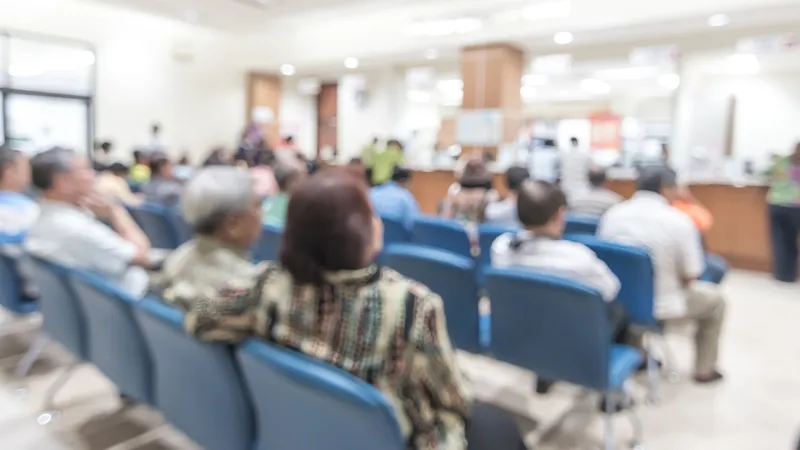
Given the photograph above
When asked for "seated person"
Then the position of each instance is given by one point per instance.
(263, 175)
(648, 220)
(326, 285)
(163, 189)
(393, 199)
(383, 162)
(69, 230)
(140, 172)
(716, 266)
(221, 205)
(598, 199)
(505, 212)
(112, 183)
(468, 202)
(540, 246)
(287, 175)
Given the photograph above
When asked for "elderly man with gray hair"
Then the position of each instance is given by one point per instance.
(222, 207)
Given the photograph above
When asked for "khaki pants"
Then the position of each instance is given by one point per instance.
(706, 307)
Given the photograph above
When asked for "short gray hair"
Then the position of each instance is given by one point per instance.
(213, 193)
(47, 164)
(8, 157)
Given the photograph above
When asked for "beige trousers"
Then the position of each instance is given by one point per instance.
(706, 307)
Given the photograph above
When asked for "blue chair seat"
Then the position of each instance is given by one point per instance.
(11, 288)
(623, 362)
(156, 223)
(442, 233)
(268, 247)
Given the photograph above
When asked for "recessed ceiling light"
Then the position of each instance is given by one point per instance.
(562, 37)
(718, 20)
(351, 62)
(431, 53)
(287, 69)
(670, 81)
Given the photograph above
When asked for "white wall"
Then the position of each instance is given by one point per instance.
(200, 103)
(298, 117)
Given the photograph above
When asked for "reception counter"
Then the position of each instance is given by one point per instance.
(740, 233)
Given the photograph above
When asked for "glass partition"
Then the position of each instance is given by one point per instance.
(50, 67)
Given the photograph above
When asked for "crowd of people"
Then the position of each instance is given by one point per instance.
(326, 283)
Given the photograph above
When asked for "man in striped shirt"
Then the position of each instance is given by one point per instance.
(598, 199)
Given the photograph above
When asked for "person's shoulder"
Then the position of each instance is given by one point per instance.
(401, 288)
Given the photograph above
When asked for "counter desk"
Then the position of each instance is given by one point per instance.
(740, 233)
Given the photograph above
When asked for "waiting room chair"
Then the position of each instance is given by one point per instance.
(453, 278)
(115, 341)
(198, 386)
(11, 289)
(183, 230)
(441, 233)
(487, 233)
(577, 224)
(560, 330)
(269, 246)
(155, 221)
(303, 404)
(394, 231)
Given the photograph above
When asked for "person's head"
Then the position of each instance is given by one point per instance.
(476, 175)
(664, 152)
(15, 170)
(330, 226)
(550, 143)
(660, 180)
(515, 176)
(63, 175)
(140, 157)
(541, 207)
(597, 177)
(155, 129)
(394, 144)
(118, 169)
(162, 168)
(288, 174)
(264, 158)
(375, 141)
(184, 161)
(289, 140)
(105, 147)
(401, 176)
(220, 202)
(573, 141)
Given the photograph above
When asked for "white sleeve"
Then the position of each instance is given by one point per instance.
(103, 250)
(596, 274)
(692, 261)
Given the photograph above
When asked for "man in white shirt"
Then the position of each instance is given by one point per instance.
(504, 212)
(542, 207)
(598, 199)
(648, 220)
(68, 231)
(574, 170)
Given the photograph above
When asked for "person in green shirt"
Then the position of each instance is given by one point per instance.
(287, 174)
(784, 214)
(383, 163)
(140, 172)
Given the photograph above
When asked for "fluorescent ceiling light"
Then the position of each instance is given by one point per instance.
(431, 53)
(670, 81)
(351, 62)
(418, 96)
(527, 91)
(627, 73)
(18, 70)
(562, 37)
(287, 69)
(744, 64)
(534, 80)
(718, 20)
(595, 86)
(445, 27)
(558, 9)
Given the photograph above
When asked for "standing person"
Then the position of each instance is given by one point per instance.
(140, 172)
(155, 144)
(544, 162)
(112, 184)
(784, 215)
(574, 170)
(597, 199)
(102, 156)
(184, 169)
(505, 212)
(649, 220)
(394, 200)
(383, 163)
(163, 189)
(287, 175)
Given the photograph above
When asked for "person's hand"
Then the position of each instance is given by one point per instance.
(101, 207)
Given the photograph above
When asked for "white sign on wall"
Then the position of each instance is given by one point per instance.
(480, 127)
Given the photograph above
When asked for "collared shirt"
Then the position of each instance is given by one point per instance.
(117, 188)
(374, 323)
(594, 202)
(383, 164)
(162, 191)
(275, 209)
(71, 236)
(574, 172)
(559, 257)
(17, 214)
(503, 212)
(648, 220)
(393, 200)
(784, 188)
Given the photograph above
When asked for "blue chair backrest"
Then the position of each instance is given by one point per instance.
(154, 220)
(63, 318)
(183, 230)
(453, 278)
(441, 233)
(577, 224)
(634, 268)
(552, 326)
(394, 231)
(269, 246)
(303, 404)
(116, 344)
(487, 233)
(198, 386)
(11, 288)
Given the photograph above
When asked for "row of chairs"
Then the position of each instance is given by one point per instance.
(255, 396)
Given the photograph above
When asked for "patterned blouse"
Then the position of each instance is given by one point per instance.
(373, 323)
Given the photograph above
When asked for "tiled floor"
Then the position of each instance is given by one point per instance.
(756, 408)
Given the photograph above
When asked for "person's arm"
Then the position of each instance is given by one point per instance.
(596, 274)
(691, 259)
(411, 210)
(127, 228)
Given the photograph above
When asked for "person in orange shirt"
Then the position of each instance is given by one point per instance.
(716, 266)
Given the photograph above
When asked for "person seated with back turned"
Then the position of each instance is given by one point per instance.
(163, 189)
(69, 232)
(112, 183)
(287, 174)
(468, 202)
(598, 199)
(504, 212)
(394, 200)
(648, 220)
(222, 206)
(326, 276)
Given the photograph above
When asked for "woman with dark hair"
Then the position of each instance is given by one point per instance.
(325, 287)
(467, 203)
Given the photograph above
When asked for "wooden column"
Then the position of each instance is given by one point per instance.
(264, 91)
(492, 76)
(327, 111)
